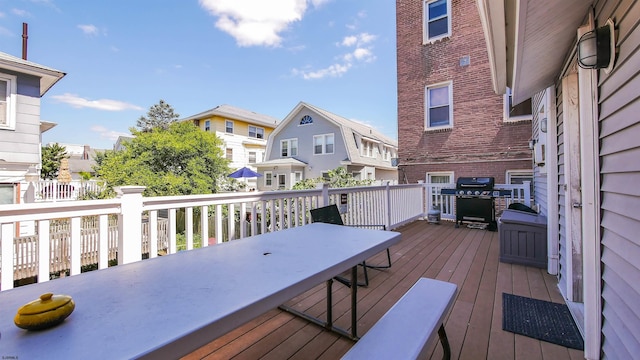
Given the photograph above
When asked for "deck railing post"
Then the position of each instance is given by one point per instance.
(325, 194)
(130, 224)
(388, 206)
(527, 192)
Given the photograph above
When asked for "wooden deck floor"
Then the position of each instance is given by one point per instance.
(467, 257)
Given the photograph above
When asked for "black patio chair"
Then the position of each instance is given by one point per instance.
(331, 215)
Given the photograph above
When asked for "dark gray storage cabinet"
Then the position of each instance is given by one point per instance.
(523, 238)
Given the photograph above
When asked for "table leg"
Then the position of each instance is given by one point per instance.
(328, 324)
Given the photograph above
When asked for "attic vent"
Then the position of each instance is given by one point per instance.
(306, 120)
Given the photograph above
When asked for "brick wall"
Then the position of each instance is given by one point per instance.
(480, 142)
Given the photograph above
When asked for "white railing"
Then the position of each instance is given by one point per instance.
(136, 227)
(53, 190)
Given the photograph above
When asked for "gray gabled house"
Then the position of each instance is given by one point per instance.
(586, 138)
(311, 141)
(22, 84)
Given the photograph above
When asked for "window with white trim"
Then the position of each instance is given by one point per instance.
(252, 157)
(439, 106)
(297, 176)
(323, 144)
(437, 22)
(228, 126)
(440, 177)
(516, 112)
(207, 125)
(282, 181)
(229, 154)
(256, 132)
(289, 147)
(367, 148)
(268, 178)
(8, 86)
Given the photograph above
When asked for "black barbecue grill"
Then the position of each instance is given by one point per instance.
(475, 200)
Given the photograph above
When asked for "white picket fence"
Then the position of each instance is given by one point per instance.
(132, 227)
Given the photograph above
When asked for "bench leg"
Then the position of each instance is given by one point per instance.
(445, 343)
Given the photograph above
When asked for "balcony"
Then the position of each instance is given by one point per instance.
(466, 257)
(130, 227)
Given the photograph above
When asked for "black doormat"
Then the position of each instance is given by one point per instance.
(542, 320)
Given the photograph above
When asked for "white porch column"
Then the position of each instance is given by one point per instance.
(130, 224)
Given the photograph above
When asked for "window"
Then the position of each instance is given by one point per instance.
(7, 101)
(252, 157)
(268, 178)
(439, 109)
(323, 144)
(297, 176)
(229, 154)
(306, 120)
(228, 124)
(440, 178)
(289, 147)
(518, 112)
(207, 125)
(325, 175)
(368, 148)
(436, 20)
(282, 181)
(196, 123)
(256, 132)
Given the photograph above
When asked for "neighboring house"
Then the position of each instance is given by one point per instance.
(450, 122)
(121, 142)
(310, 141)
(243, 132)
(587, 169)
(81, 159)
(22, 84)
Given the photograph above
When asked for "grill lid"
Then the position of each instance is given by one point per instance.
(480, 183)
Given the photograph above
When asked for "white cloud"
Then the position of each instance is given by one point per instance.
(89, 29)
(20, 12)
(101, 104)
(257, 22)
(108, 134)
(363, 53)
(335, 70)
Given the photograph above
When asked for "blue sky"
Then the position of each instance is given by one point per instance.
(121, 57)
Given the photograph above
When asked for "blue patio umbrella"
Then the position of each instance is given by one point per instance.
(244, 172)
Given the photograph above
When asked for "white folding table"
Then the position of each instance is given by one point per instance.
(168, 306)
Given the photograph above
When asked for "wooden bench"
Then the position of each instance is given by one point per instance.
(409, 328)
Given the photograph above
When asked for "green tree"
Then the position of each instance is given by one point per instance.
(337, 178)
(179, 160)
(160, 115)
(52, 154)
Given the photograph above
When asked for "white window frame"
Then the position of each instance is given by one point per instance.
(290, 147)
(227, 155)
(282, 181)
(323, 143)
(10, 115)
(268, 179)
(429, 176)
(507, 109)
(296, 176)
(510, 174)
(256, 131)
(228, 124)
(449, 86)
(425, 22)
(255, 157)
(207, 125)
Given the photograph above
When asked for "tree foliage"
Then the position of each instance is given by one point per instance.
(337, 178)
(178, 160)
(160, 115)
(51, 156)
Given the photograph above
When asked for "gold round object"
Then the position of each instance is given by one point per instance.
(47, 311)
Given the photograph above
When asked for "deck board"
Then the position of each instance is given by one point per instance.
(466, 257)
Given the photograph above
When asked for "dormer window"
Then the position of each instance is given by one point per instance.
(306, 120)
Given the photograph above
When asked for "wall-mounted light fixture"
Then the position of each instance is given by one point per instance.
(543, 125)
(597, 48)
